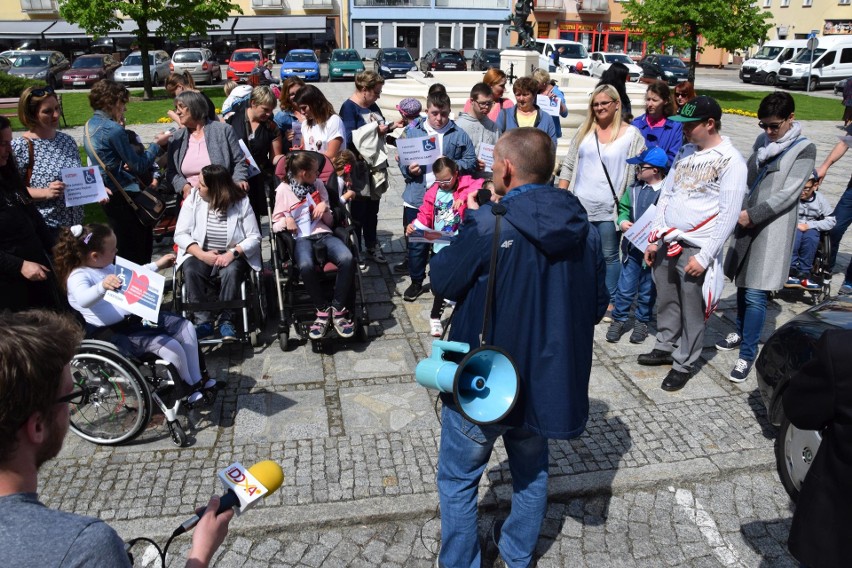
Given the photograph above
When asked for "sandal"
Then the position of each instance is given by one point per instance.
(320, 326)
(343, 323)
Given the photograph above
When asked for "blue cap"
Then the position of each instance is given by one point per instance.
(655, 156)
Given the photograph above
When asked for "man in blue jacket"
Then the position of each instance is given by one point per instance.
(549, 294)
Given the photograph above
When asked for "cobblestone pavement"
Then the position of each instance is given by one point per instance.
(691, 473)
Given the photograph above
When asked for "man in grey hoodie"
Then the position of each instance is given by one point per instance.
(478, 126)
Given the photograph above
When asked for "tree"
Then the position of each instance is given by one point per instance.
(726, 24)
(177, 19)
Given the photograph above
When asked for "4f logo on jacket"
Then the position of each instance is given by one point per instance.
(507, 243)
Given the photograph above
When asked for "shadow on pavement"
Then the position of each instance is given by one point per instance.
(769, 540)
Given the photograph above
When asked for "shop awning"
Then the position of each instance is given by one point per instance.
(225, 27)
(128, 28)
(280, 24)
(18, 28)
(62, 29)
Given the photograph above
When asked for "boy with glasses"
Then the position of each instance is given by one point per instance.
(478, 126)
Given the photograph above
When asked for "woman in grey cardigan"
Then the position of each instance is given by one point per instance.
(200, 143)
(759, 258)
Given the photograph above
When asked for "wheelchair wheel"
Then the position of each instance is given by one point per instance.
(177, 433)
(283, 338)
(118, 405)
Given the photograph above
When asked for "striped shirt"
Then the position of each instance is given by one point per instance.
(217, 231)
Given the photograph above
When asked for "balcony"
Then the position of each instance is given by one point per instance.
(549, 5)
(392, 3)
(39, 6)
(592, 7)
(480, 4)
(268, 4)
(318, 4)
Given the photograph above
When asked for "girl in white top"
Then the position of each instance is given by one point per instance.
(322, 130)
(83, 259)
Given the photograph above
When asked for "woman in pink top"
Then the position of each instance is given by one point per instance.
(301, 208)
(495, 79)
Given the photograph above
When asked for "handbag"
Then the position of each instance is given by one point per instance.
(146, 204)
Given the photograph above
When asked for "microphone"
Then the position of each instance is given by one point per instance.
(244, 488)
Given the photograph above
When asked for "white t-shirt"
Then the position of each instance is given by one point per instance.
(317, 136)
(590, 185)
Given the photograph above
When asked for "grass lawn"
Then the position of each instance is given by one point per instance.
(807, 107)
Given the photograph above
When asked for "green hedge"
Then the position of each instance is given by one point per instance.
(12, 86)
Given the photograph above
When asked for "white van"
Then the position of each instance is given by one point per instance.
(574, 53)
(764, 65)
(832, 62)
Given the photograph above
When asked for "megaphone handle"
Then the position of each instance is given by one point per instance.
(498, 210)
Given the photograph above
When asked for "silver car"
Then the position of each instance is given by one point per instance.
(47, 66)
(5, 64)
(200, 62)
(130, 71)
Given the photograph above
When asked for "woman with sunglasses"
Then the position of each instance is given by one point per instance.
(596, 170)
(322, 130)
(41, 153)
(759, 258)
(655, 125)
(683, 93)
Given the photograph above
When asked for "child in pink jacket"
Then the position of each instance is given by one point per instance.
(443, 210)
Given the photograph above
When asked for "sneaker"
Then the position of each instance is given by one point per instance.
(436, 328)
(614, 332)
(227, 331)
(401, 268)
(731, 341)
(640, 332)
(809, 284)
(741, 370)
(414, 290)
(363, 266)
(203, 330)
(845, 289)
(320, 326)
(343, 323)
(377, 255)
(792, 282)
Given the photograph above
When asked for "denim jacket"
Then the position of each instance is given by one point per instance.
(109, 141)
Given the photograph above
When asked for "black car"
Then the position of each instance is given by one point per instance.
(665, 67)
(784, 353)
(394, 62)
(443, 60)
(485, 59)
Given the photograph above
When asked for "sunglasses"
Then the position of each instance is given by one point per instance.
(42, 92)
(773, 126)
(680, 95)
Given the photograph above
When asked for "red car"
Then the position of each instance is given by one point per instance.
(88, 70)
(242, 62)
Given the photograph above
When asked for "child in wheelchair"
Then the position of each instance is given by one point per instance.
(83, 259)
(302, 209)
(814, 218)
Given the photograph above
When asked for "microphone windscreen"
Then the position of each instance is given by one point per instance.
(269, 474)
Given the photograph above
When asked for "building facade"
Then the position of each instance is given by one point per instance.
(796, 19)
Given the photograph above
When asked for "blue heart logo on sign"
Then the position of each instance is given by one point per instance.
(429, 144)
(89, 175)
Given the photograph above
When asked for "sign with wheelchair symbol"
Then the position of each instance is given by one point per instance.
(421, 151)
(82, 185)
(548, 105)
(141, 291)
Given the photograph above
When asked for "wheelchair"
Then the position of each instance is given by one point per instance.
(119, 391)
(821, 272)
(295, 308)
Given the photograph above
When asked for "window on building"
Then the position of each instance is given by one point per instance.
(371, 37)
(844, 2)
(807, 3)
(445, 37)
(543, 29)
(767, 3)
(492, 38)
(468, 38)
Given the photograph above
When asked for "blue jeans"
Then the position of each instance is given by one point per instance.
(610, 240)
(636, 281)
(418, 253)
(805, 245)
(339, 255)
(200, 276)
(751, 314)
(464, 453)
(843, 215)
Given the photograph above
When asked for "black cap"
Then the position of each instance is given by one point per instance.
(699, 108)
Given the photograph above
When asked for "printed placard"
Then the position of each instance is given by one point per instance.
(423, 234)
(302, 214)
(141, 291)
(486, 154)
(422, 151)
(251, 164)
(82, 186)
(548, 105)
(297, 134)
(638, 233)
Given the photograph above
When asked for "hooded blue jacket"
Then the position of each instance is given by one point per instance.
(549, 294)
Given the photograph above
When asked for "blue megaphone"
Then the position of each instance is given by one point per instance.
(484, 384)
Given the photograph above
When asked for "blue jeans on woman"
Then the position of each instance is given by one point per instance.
(843, 214)
(610, 240)
(339, 255)
(636, 282)
(751, 315)
(464, 453)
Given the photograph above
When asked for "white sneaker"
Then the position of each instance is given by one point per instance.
(436, 328)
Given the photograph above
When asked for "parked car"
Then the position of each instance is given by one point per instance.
(443, 60)
(783, 354)
(89, 69)
(344, 63)
(242, 62)
(200, 63)
(601, 60)
(159, 64)
(13, 54)
(47, 66)
(5, 64)
(665, 67)
(485, 59)
(394, 62)
(301, 63)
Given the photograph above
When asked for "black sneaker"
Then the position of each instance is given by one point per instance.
(613, 334)
(413, 291)
(640, 332)
(401, 268)
(655, 358)
(741, 370)
(731, 342)
(675, 380)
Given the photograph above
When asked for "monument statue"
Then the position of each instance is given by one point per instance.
(518, 23)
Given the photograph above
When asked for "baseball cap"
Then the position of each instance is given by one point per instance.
(655, 156)
(699, 108)
(409, 107)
